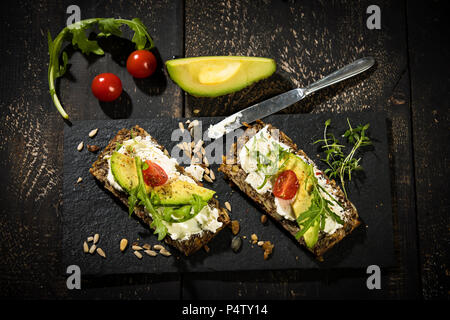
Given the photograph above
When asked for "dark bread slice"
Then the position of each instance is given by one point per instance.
(100, 171)
(235, 173)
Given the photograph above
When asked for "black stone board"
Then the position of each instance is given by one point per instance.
(88, 208)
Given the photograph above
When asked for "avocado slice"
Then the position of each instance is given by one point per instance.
(312, 235)
(123, 169)
(175, 192)
(180, 192)
(304, 196)
(218, 75)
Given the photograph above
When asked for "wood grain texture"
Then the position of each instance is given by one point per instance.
(308, 40)
(31, 143)
(429, 54)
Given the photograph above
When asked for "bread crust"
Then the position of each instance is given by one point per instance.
(100, 171)
(235, 173)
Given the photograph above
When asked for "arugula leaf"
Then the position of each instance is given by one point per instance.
(157, 223)
(319, 208)
(140, 33)
(76, 34)
(132, 200)
(109, 26)
(80, 40)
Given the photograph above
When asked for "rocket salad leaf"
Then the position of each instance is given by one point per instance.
(76, 34)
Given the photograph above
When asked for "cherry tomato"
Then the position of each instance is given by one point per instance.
(154, 175)
(106, 87)
(286, 185)
(141, 64)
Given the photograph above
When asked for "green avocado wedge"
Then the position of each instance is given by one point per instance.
(175, 192)
(218, 75)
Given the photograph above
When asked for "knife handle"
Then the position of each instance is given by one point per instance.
(346, 72)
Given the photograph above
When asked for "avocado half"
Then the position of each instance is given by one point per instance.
(218, 75)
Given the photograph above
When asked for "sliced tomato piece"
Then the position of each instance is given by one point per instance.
(286, 185)
(154, 175)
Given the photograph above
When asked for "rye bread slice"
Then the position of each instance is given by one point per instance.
(100, 171)
(235, 173)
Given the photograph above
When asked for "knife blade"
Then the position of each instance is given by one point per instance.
(284, 100)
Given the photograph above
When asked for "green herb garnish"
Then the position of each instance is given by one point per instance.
(139, 193)
(319, 208)
(268, 167)
(159, 212)
(76, 34)
(341, 165)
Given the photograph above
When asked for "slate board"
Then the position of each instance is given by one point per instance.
(88, 208)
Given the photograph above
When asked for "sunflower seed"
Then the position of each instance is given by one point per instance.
(228, 206)
(101, 252)
(92, 249)
(193, 124)
(181, 126)
(96, 237)
(137, 248)
(263, 219)
(205, 161)
(146, 246)
(235, 227)
(207, 178)
(164, 252)
(236, 243)
(85, 247)
(89, 239)
(79, 179)
(212, 175)
(207, 170)
(138, 254)
(123, 244)
(158, 247)
(80, 146)
(151, 252)
(93, 133)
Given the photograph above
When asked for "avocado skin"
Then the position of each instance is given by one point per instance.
(253, 69)
(174, 192)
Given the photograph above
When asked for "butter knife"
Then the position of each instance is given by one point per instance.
(284, 100)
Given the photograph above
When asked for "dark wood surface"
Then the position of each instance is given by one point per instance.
(307, 39)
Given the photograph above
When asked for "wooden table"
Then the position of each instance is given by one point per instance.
(308, 39)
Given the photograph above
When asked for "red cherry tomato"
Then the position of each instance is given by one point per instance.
(141, 64)
(286, 185)
(106, 87)
(154, 175)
